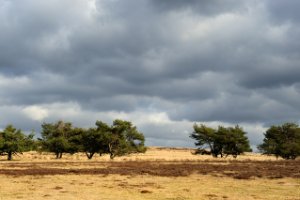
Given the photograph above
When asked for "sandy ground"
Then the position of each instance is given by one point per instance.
(161, 173)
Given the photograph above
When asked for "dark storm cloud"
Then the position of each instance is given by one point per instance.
(274, 79)
(238, 109)
(284, 11)
(222, 61)
(203, 7)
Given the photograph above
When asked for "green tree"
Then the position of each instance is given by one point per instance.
(75, 140)
(57, 137)
(223, 141)
(13, 141)
(205, 138)
(283, 141)
(236, 142)
(121, 138)
(30, 143)
(94, 141)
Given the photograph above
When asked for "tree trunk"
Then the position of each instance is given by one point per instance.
(110, 148)
(90, 155)
(112, 155)
(9, 156)
(58, 155)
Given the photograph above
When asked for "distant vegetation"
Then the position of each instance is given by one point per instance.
(222, 141)
(283, 141)
(13, 141)
(122, 138)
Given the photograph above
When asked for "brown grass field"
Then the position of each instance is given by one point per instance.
(160, 173)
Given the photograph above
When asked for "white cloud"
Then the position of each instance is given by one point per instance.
(19, 81)
(34, 112)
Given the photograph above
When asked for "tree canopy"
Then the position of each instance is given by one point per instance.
(221, 141)
(119, 139)
(59, 138)
(122, 138)
(94, 141)
(13, 141)
(282, 141)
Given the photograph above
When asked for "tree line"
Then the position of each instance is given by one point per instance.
(123, 138)
(222, 141)
(281, 141)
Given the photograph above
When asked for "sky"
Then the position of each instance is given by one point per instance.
(161, 64)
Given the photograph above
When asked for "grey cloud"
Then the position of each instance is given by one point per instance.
(171, 134)
(13, 115)
(206, 60)
(284, 11)
(203, 7)
(260, 78)
(250, 108)
(285, 96)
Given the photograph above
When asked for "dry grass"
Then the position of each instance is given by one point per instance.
(152, 154)
(145, 187)
(159, 174)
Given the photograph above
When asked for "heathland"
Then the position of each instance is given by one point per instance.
(160, 173)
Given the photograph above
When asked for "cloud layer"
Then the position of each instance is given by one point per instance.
(162, 64)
